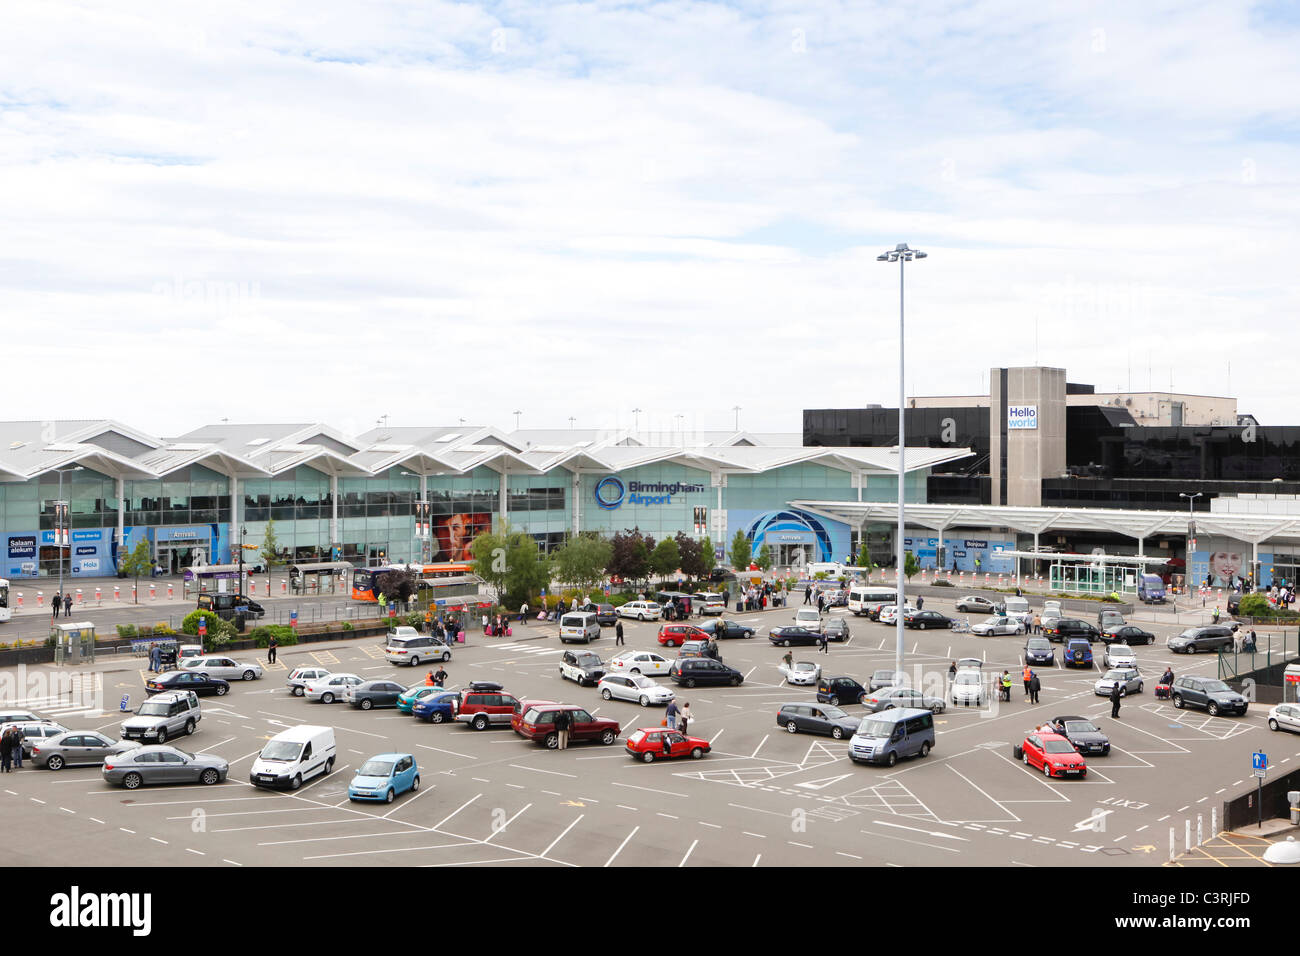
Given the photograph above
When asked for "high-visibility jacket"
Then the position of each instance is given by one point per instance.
(1006, 680)
(1028, 675)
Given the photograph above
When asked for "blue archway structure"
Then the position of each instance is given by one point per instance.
(790, 519)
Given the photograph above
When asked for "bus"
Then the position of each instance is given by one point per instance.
(363, 579)
(5, 611)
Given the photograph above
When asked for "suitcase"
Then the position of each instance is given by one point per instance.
(1162, 691)
(510, 632)
(1018, 752)
(460, 637)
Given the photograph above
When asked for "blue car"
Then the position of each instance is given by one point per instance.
(384, 777)
(1077, 653)
(436, 708)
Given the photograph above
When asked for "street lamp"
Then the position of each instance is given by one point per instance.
(517, 414)
(240, 589)
(736, 409)
(423, 513)
(1191, 527)
(62, 520)
(636, 419)
(900, 254)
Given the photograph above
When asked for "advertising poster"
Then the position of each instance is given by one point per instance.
(452, 534)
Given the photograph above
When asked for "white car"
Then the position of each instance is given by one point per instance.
(802, 673)
(302, 676)
(635, 687)
(889, 613)
(968, 687)
(330, 688)
(1119, 655)
(998, 624)
(974, 602)
(1051, 609)
(1128, 678)
(808, 617)
(1285, 717)
(641, 610)
(640, 662)
(226, 668)
(712, 604)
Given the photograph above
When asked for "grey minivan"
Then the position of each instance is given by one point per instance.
(884, 737)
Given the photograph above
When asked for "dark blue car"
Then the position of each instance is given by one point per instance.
(436, 708)
(1077, 653)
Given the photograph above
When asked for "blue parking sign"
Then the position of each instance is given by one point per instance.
(1259, 761)
(126, 703)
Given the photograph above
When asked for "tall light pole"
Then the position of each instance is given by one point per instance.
(517, 414)
(1191, 529)
(900, 254)
(424, 514)
(636, 419)
(62, 521)
(736, 409)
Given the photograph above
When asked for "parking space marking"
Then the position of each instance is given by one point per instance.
(632, 786)
(324, 657)
(441, 751)
(497, 831)
(563, 833)
(626, 839)
(456, 811)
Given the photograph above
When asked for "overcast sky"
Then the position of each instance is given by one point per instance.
(296, 210)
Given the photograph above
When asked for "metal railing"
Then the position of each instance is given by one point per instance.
(1273, 649)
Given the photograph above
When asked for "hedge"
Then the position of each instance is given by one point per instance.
(284, 635)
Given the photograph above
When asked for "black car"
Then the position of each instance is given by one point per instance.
(1210, 638)
(926, 619)
(584, 668)
(226, 606)
(839, 690)
(1068, 627)
(702, 671)
(1129, 634)
(375, 693)
(1208, 692)
(1039, 650)
(836, 629)
(1083, 733)
(722, 628)
(200, 683)
(605, 615)
(719, 574)
(793, 634)
(817, 719)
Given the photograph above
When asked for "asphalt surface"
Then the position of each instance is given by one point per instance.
(763, 797)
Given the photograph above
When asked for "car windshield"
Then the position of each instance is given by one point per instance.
(586, 660)
(1039, 644)
(1058, 747)
(152, 709)
(1217, 687)
(875, 728)
(833, 713)
(639, 681)
(376, 768)
(967, 677)
(1120, 649)
(1080, 727)
(1116, 675)
(281, 750)
(805, 666)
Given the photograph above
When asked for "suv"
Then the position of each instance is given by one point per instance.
(163, 716)
(691, 671)
(582, 667)
(537, 723)
(482, 704)
(1068, 627)
(1077, 653)
(225, 605)
(1208, 692)
(675, 635)
(641, 610)
(700, 649)
(605, 615)
(1209, 638)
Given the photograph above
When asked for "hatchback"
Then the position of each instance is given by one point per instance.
(704, 671)
(633, 687)
(839, 690)
(1128, 678)
(538, 725)
(385, 777)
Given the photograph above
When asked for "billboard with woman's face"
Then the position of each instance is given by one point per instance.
(454, 533)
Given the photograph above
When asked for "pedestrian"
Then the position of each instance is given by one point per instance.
(726, 599)
(523, 612)
(428, 679)
(684, 720)
(439, 677)
(1006, 686)
(271, 646)
(1034, 687)
(562, 722)
(1038, 624)
(56, 603)
(807, 594)
(824, 643)
(788, 660)
(952, 671)
(1214, 617)
(155, 658)
(1167, 677)
(67, 604)
(6, 740)
(618, 633)
(1114, 699)
(821, 602)
(1027, 675)
(670, 715)
(485, 624)
(18, 748)
(920, 602)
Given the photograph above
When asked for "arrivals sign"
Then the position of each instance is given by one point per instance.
(1022, 416)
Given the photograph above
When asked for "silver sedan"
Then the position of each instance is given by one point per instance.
(887, 698)
(1130, 681)
(226, 668)
(78, 747)
(162, 764)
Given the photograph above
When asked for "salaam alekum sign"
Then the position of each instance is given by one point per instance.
(611, 492)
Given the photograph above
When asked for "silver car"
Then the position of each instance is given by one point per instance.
(973, 602)
(1119, 655)
(157, 764)
(998, 624)
(78, 747)
(303, 676)
(634, 687)
(34, 732)
(1129, 679)
(227, 668)
(888, 698)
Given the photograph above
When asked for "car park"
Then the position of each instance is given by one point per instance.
(1285, 717)
(1196, 639)
(836, 629)
(1129, 634)
(1207, 692)
(998, 625)
(385, 777)
(33, 732)
(1077, 653)
(294, 755)
(584, 668)
(884, 738)
(227, 668)
(885, 677)
(675, 635)
(640, 610)
(1119, 655)
(1039, 650)
(968, 687)
(157, 764)
(723, 628)
(406, 645)
(649, 744)
(300, 677)
(330, 688)
(839, 690)
(373, 693)
(1062, 629)
(1128, 678)
(924, 620)
(633, 687)
(640, 662)
(483, 704)
(1052, 754)
(538, 725)
(579, 627)
(704, 672)
(891, 698)
(437, 708)
(802, 673)
(164, 716)
(414, 694)
(976, 604)
(794, 635)
(76, 748)
(1085, 736)
(199, 683)
(824, 719)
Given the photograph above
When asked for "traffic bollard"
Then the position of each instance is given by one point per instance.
(153, 592)
(1187, 834)
(80, 599)
(40, 599)
(284, 587)
(170, 592)
(117, 593)
(1172, 848)
(135, 593)
(20, 599)
(99, 596)
(1200, 836)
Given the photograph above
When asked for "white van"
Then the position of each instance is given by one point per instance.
(862, 597)
(831, 569)
(294, 755)
(579, 626)
(1018, 607)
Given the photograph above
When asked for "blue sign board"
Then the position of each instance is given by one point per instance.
(1259, 762)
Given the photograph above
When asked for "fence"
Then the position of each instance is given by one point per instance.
(1242, 811)
(1264, 666)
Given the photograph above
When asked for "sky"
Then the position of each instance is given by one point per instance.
(310, 210)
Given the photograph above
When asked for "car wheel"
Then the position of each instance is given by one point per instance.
(415, 784)
(735, 681)
(791, 727)
(837, 733)
(1047, 769)
(437, 717)
(608, 737)
(1178, 701)
(1212, 709)
(162, 735)
(297, 692)
(189, 726)
(1272, 725)
(785, 643)
(648, 757)
(697, 753)
(552, 741)
(132, 781)
(210, 776)
(296, 782)
(249, 675)
(690, 682)
(366, 703)
(327, 698)
(329, 765)
(891, 759)
(635, 670)
(606, 695)
(56, 762)
(1024, 755)
(221, 689)
(641, 617)
(644, 701)
(925, 748)
(480, 722)
(415, 660)
(937, 709)
(388, 797)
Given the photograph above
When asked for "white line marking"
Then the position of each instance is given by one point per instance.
(542, 855)
(456, 811)
(688, 853)
(555, 773)
(621, 845)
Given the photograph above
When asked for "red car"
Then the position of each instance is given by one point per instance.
(1053, 754)
(537, 723)
(482, 704)
(675, 635)
(656, 743)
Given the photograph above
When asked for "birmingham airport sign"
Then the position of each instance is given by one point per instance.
(611, 492)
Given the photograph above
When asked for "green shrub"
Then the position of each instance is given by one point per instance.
(347, 626)
(284, 635)
(127, 631)
(1254, 605)
(216, 627)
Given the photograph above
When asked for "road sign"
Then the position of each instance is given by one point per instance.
(293, 618)
(1259, 763)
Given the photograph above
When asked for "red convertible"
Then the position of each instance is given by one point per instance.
(1052, 754)
(655, 743)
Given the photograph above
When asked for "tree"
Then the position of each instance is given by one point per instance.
(864, 558)
(666, 558)
(270, 548)
(910, 564)
(138, 562)
(581, 561)
(631, 555)
(692, 563)
(397, 585)
(741, 551)
(764, 561)
(708, 560)
(511, 563)
(489, 550)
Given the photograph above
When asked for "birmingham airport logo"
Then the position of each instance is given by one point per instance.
(610, 493)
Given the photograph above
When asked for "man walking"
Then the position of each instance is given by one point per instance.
(439, 677)
(56, 603)
(1034, 687)
(824, 643)
(807, 594)
(1027, 675)
(67, 604)
(920, 603)
(726, 599)
(671, 715)
(562, 720)
(1006, 686)
(271, 645)
(155, 658)
(1114, 700)
(618, 633)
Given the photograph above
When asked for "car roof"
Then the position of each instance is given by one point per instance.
(395, 756)
(1045, 737)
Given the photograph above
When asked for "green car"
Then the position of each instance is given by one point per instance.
(417, 693)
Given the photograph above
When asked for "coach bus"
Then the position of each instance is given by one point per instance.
(5, 611)
(363, 579)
